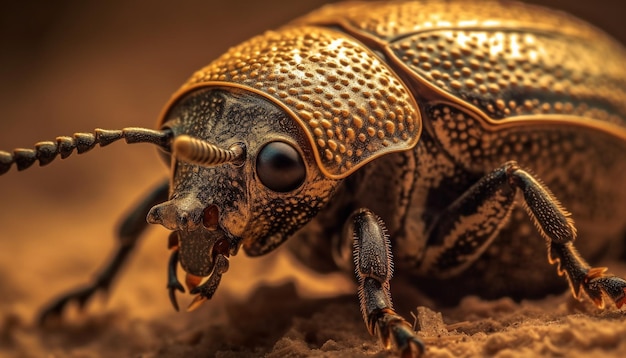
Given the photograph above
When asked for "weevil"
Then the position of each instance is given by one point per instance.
(427, 137)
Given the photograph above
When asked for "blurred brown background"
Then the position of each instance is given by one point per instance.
(68, 66)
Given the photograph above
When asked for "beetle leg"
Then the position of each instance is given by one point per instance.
(468, 226)
(475, 219)
(129, 231)
(373, 268)
(556, 226)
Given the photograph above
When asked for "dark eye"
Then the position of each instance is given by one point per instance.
(280, 167)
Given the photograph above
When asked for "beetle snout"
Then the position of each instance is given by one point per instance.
(182, 214)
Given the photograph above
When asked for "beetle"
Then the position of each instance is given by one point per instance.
(410, 126)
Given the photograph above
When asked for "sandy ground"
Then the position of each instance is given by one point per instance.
(73, 67)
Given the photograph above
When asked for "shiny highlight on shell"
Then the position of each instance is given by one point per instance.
(350, 103)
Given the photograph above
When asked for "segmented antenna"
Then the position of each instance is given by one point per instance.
(46, 152)
(198, 151)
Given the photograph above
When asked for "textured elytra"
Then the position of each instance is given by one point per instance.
(390, 19)
(506, 59)
(492, 69)
(352, 106)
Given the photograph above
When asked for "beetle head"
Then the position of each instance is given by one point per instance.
(243, 175)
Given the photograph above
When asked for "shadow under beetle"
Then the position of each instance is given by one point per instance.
(401, 127)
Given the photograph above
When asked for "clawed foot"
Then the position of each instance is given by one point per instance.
(55, 308)
(395, 331)
(594, 281)
(598, 285)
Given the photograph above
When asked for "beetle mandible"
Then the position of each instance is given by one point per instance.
(404, 127)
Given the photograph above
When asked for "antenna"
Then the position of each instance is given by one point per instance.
(46, 152)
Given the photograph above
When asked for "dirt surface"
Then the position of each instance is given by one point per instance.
(67, 66)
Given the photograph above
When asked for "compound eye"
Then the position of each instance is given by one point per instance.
(280, 167)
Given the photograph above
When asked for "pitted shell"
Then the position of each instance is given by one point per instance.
(349, 102)
(505, 60)
(391, 20)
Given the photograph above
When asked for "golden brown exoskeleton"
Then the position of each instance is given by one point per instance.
(404, 127)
